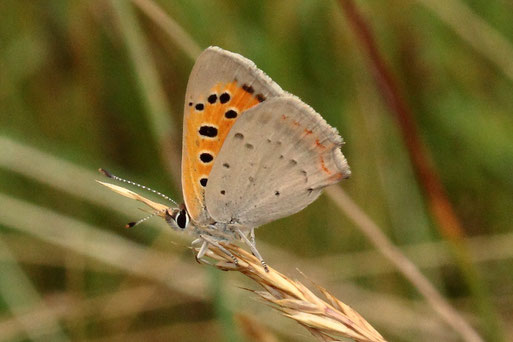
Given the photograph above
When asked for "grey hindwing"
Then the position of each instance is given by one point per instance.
(274, 162)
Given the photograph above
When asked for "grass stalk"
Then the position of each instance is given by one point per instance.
(328, 318)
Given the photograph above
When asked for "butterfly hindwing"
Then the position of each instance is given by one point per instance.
(274, 162)
(221, 87)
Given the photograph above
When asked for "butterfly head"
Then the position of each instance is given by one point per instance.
(178, 218)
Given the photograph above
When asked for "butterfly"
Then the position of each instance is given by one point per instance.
(252, 153)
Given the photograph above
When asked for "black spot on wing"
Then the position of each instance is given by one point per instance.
(212, 99)
(206, 157)
(248, 88)
(208, 131)
(224, 98)
(231, 114)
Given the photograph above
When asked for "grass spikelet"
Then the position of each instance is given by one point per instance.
(327, 319)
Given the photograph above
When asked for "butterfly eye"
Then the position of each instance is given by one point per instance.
(182, 219)
(177, 218)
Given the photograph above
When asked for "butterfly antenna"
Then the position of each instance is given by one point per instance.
(112, 176)
(133, 224)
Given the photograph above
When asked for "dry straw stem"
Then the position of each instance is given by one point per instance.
(170, 27)
(476, 31)
(328, 320)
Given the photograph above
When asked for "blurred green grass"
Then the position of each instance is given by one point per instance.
(75, 84)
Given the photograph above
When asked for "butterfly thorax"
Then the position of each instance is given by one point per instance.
(179, 219)
(220, 230)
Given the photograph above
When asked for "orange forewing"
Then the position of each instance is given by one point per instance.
(213, 115)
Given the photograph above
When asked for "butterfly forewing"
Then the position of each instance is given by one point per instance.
(274, 162)
(222, 86)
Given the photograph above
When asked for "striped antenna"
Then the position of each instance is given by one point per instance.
(133, 224)
(112, 176)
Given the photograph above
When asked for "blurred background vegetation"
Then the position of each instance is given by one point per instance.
(88, 84)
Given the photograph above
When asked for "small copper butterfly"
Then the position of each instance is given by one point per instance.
(252, 153)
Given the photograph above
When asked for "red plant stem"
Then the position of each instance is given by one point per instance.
(441, 208)
(438, 201)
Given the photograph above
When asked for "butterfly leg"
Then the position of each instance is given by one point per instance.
(201, 252)
(252, 236)
(252, 246)
(214, 242)
(252, 239)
